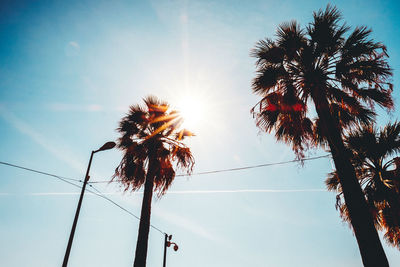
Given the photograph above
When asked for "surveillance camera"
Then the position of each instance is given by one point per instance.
(176, 247)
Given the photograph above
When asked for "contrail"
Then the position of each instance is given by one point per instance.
(246, 191)
(180, 192)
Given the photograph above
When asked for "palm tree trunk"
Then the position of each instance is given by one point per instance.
(369, 244)
(144, 225)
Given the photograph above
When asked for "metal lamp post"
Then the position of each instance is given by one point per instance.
(168, 243)
(106, 146)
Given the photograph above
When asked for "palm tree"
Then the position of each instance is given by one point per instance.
(370, 149)
(151, 142)
(342, 73)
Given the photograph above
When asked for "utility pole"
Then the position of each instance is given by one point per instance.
(168, 243)
(165, 249)
(106, 146)
(78, 209)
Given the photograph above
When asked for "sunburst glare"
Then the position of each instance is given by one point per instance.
(192, 110)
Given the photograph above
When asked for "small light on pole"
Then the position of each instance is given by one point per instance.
(106, 146)
(168, 243)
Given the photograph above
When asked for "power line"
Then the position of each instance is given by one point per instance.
(235, 169)
(254, 166)
(100, 194)
(178, 175)
(97, 193)
(40, 172)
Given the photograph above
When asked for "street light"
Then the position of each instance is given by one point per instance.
(168, 243)
(106, 146)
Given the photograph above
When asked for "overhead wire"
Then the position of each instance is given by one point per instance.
(40, 172)
(100, 194)
(234, 169)
(97, 193)
(178, 175)
(255, 166)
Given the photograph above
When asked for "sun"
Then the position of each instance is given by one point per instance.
(197, 107)
(191, 109)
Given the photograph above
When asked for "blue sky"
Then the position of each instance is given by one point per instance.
(69, 71)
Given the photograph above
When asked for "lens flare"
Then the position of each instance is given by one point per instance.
(191, 111)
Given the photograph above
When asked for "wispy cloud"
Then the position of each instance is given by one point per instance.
(38, 138)
(74, 45)
(72, 49)
(186, 224)
(74, 107)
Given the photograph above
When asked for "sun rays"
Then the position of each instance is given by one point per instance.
(191, 109)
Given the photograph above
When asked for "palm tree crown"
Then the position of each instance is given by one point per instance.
(371, 149)
(321, 62)
(151, 133)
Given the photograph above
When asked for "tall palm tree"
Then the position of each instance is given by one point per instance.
(151, 141)
(341, 73)
(371, 149)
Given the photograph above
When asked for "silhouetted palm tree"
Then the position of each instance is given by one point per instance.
(151, 142)
(340, 73)
(370, 150)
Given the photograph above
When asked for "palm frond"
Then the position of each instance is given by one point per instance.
(164, 177)
(267, 78)
(131, 172)
(184, 158)
(290, 38)
(267, 52)
(152, 134)
(370, 147)
(389, 139)
(358, 46)
(326, 34)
